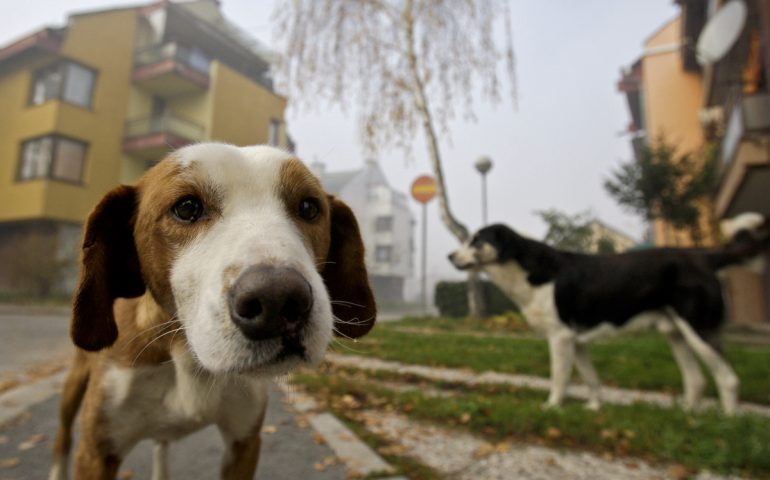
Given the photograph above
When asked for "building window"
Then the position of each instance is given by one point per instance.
(67, 81)
(274, 132)
(52, 157)
(383, 253)
(383, 224)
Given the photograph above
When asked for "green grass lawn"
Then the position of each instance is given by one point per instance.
(643, 361)
(709, 440)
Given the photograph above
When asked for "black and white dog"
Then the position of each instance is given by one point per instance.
(573, 298)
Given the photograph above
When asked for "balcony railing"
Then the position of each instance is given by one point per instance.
(168, 123)
(171, 69)
(191, 57)
(748, 116)
(153, 137)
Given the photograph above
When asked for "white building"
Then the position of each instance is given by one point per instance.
(385, 221)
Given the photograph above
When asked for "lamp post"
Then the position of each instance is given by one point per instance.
(483, 165)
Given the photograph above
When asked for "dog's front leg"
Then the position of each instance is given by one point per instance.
(240, 426)
(561, 345)
(91, 463)
(160, 461)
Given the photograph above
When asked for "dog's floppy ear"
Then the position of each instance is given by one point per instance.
(109, 269)
(345, 275)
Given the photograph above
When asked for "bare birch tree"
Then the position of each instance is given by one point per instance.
(405, 64)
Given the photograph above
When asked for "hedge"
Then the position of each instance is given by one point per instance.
(451, 299)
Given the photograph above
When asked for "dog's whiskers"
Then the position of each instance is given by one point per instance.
(149, 329)
(336, 342)
(346, 303)
(153, 341)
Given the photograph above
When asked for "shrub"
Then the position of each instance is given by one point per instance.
(451, 299)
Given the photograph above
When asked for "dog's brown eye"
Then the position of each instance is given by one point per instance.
(309, 209)
(188, 209)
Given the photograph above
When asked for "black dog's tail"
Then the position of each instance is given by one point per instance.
(748, 237)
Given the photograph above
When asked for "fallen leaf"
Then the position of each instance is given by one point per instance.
(553, 433)
(350, 401)
(9, 462)
(126, 475)
(485, 450)
(502, 447)
(550, 461)
(608, 434)
(32, 441)
(269, 429)
(318, 438)
(394, 449)
(679, 472)
(465, 417)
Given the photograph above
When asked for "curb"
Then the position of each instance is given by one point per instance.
(358, 457)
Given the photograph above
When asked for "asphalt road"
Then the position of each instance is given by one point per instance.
(290, 453)
(28, 339)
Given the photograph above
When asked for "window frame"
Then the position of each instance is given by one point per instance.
(61, 65)
(386, 248)
(55, 139)
(389, 222)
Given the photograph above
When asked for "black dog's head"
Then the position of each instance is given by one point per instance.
(499, 245)
(494, 244)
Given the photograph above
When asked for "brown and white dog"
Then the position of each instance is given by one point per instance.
(223, 267)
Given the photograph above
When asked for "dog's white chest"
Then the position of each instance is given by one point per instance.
(166, 403)
(540, 311)
(536, 302)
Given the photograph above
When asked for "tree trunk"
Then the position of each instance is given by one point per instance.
(476, 301)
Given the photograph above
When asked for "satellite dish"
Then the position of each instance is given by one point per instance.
(721, 32)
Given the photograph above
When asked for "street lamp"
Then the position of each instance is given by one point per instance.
(484, 165)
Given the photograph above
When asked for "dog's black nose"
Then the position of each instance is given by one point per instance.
(268, 302)
(451, 257)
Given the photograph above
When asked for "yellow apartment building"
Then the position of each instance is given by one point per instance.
(96, 102)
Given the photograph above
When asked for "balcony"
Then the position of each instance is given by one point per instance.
(151, 138)
(171, 69)
(745, 157)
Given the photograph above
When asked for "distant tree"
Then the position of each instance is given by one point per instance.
(659, 185)
(606, 245)
(568, 232)
(407, 64)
